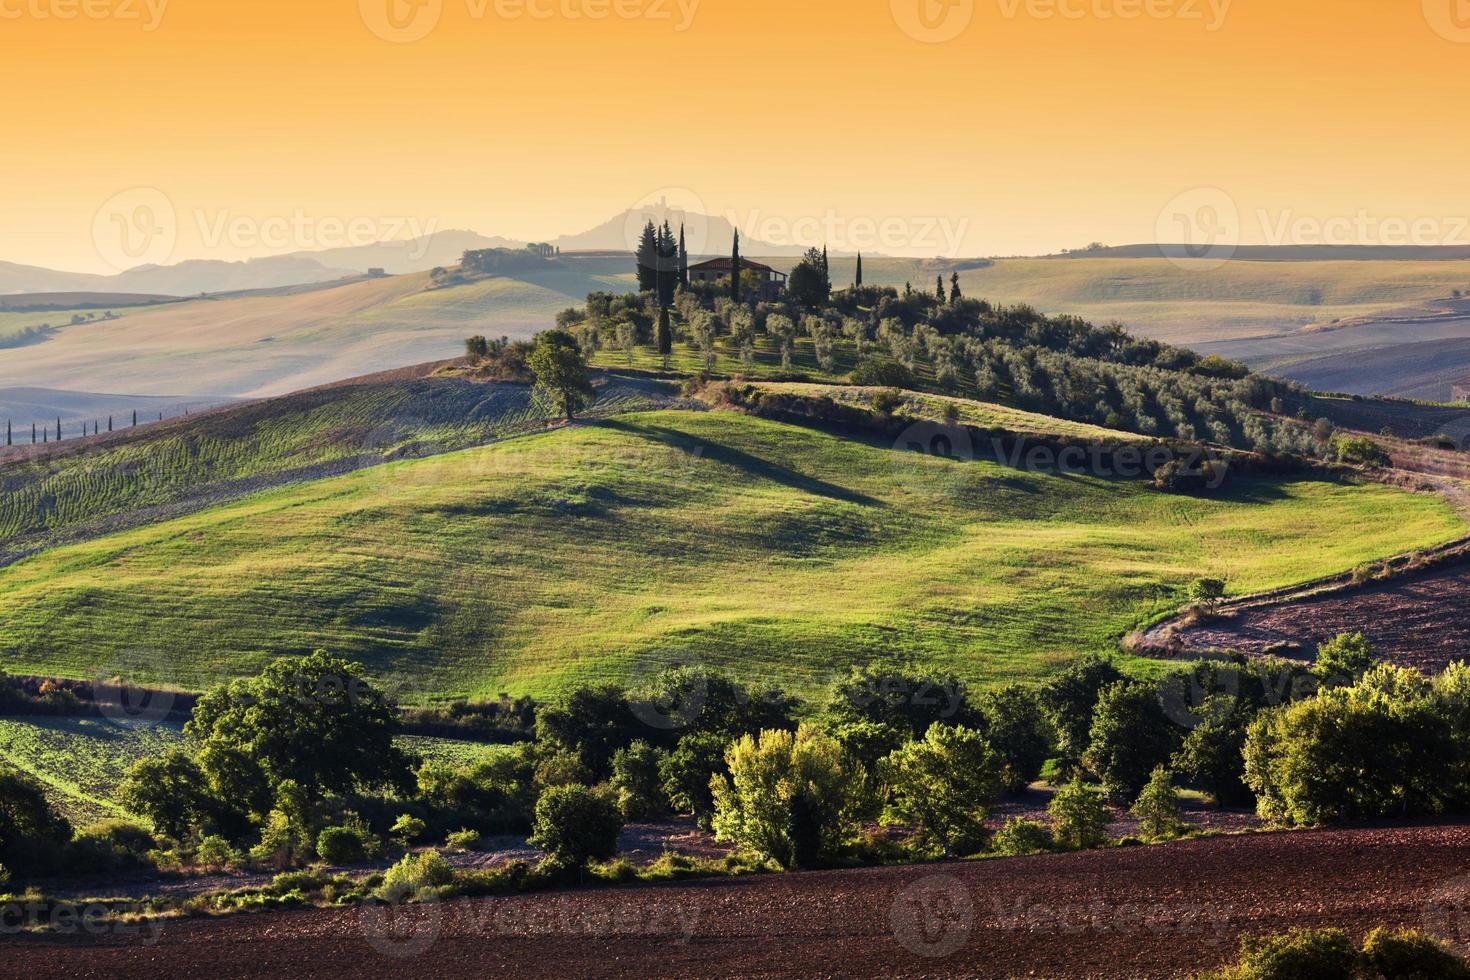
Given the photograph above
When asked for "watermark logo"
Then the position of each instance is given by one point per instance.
(407, 21)
(933, 917)
(933, 21)
(401, 21)
(669, 707)
(120, 692)
(928, 454)
(1210, 13)
(1446, 913)
(1205, 695)
(682, 209)
(935, 235)
(1450, 19)
(401, 926)
(1456, 431)
(1205, 223)
(138, 226)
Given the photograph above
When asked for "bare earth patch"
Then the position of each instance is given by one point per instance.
(1128, 912)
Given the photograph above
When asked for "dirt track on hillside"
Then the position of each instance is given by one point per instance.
(1158, 911)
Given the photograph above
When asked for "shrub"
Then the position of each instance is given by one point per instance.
(463, 840)
(1071, 697)
(945, 784)
(1157, 808)
(1344, 658)
(1021, 837)
(574, 825)
(32, 835)
(685, 774)
(1206, 592)
(1408, 954)
(282, 843)
(792, 798)
(416, 876)
(1079, 817)
(887, 401)
(1130, 735)
(215, 852)
(1382, 748)
(636, 781)
(1015, 724)
(1212, 753)
(882, 371)
(341, 845)
(1303, 954)
(113, 844)
(1360, 451)
(408, 828)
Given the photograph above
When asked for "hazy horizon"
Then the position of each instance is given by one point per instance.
(1023, 126)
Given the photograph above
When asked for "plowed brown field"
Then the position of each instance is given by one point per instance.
(1129, 912)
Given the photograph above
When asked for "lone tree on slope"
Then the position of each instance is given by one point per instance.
(561, 371)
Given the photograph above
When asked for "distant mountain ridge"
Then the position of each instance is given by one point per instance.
(1278, 253)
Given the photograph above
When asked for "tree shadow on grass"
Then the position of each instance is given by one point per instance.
(755, 466)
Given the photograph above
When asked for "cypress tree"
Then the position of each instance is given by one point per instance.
(825, 267)
(939, 287)
(683, 258)
(7, 432)
(135, 418)
(33, 433)
(647, 259)
(954, 287)
(859, 283)
(668, 275)
(109, 423)
(58, 428)
(735, 268)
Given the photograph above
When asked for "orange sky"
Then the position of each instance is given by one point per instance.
(1024, 133)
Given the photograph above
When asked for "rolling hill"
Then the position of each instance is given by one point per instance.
(612, 548)
(269, 342)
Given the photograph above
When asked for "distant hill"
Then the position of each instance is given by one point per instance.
(705, 234)
(443, 248)
(184, 279)
(1285, 253)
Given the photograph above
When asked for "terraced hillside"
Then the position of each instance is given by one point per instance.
(84, 487)
(615, 547)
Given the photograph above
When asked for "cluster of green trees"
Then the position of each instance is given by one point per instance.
(1058, 365)
(302, 763)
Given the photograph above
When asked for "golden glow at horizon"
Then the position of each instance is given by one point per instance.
(513, 117)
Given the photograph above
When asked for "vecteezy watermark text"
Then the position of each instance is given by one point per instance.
(406, 21)
(148, 13)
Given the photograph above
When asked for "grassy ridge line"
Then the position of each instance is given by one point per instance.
(49, 501)
(610, 549)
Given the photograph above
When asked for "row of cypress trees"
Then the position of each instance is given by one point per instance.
(45, 434)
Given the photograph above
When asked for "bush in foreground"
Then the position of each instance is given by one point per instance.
(574, 825)
(1328, 954)
(791, 797)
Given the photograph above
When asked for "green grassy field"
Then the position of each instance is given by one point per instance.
(241, 449)
(608, 550)
(81, 761)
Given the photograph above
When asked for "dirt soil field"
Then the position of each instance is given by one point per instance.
(1129, 912)
(1421, 622)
